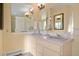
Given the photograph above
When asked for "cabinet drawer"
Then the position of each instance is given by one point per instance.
(49, 52)
(52, 46)
(39, 48)
(49, 45)
(33, 51)
(38, 53)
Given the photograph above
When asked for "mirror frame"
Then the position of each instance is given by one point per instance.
(61, 19)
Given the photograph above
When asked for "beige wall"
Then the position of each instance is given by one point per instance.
(1, 38)
(75, 46)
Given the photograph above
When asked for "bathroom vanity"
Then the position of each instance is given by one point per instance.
(43, 46)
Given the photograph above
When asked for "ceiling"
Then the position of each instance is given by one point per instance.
(19, 9)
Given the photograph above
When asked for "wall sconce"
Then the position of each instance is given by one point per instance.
(41, 6)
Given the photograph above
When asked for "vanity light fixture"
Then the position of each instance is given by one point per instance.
(41, 6)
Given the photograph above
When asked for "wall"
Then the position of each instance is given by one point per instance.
(75, 46)
(1, 38)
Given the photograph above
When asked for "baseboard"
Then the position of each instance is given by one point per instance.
(17, 53)
(13, 53)
(27, 54)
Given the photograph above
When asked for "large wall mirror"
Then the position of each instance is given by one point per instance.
(22, 20)
(59, 21)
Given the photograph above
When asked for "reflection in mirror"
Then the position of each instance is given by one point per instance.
(19, 21)
(22, 24)
(42, 23)
(45, 22)
(49, 23)
(59, 21)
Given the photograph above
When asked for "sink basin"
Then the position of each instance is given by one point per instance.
(56, 38)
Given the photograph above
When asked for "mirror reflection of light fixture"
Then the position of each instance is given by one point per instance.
(49, 17)
(27, 14)
(41, 6)
(31, 10)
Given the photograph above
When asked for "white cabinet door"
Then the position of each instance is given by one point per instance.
(39, 49)
(38, 53)
(33, 46)
(49, 52)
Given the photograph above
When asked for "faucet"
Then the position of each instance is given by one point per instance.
(58, 35)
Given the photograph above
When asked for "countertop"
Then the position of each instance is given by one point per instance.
(51, 40)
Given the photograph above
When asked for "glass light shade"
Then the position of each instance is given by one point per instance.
(27, 14)
(41, 6)
(31, 10)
